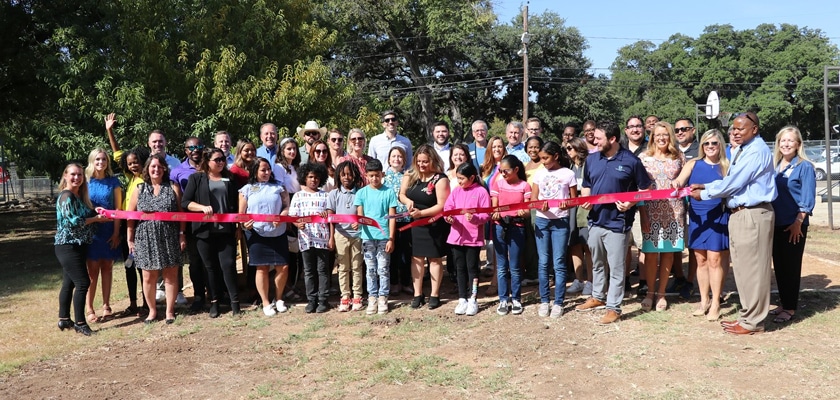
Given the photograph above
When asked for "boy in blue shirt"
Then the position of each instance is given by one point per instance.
(377, 202)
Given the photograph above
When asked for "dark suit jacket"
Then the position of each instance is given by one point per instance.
(198, 190)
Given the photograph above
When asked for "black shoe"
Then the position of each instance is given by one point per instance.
(234, 308)
(311, 306)
(65, 324)
(418, 301)
(170, 321)
(676, 286)
(323, 307)
(628, 287)
(197, 305)
(687, 290)
(434, 302)
(642, 290)
(214, 309)
(84, 329)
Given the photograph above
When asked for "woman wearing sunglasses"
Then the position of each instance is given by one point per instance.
(210, 190)
(708, 235)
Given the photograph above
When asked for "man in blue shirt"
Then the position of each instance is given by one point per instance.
(268, 135)
(613, 169)
(515, 147)
(479, 145)
(748, 188)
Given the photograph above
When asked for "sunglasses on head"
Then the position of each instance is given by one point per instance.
(194, 148)
(747, 116)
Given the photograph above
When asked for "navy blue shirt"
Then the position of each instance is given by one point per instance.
(623, 172)
(797, 192)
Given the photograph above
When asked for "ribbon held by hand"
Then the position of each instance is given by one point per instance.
(234, 218)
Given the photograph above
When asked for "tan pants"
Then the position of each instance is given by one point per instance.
(751, 247)
(348, 255)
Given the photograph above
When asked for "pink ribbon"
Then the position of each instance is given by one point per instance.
(234, 218)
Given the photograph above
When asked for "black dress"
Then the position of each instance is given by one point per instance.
(428, 240)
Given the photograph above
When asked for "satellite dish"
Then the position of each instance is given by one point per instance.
(712, 105)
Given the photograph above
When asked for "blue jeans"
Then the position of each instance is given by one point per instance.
(508, 248)
(378, 271)
(552, 239)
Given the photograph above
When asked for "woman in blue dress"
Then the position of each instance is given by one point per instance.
(708, 235)
(105, 192)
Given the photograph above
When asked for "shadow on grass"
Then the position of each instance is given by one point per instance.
(27, 256)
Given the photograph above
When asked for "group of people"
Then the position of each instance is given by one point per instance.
(424, 201)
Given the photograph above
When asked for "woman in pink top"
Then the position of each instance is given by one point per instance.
(509, 231)
(467, 233)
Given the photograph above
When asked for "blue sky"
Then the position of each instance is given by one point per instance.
(609, 25)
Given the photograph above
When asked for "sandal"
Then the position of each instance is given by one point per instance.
(91, 317)
(661, 304)
(647, 303)
(292, 296)
(701, 311)
(107, 314)
(784, 316)
(776, 311)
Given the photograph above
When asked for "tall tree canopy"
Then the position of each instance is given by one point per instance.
(774, 70)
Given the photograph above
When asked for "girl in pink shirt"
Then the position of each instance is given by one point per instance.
(509, 231)
(467, 233)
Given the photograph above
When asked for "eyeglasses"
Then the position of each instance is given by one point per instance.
(635, 126)
(505, 171)
(218, 159)
(711, 144)
(683, 129)
(355, 139)
(311, 133)
(387, 120)
(337, 139)
(194, 148)
(747, 116)
(317, 151)
(569, 148)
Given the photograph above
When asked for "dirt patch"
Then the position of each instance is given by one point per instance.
(408, 353)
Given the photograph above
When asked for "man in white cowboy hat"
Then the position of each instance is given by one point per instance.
(310, 132)
(380, 145)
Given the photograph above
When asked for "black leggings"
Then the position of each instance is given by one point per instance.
(131, 271)
(465, 259)
(72, 259)
(218, 252)
(787, 264)
(401, 257)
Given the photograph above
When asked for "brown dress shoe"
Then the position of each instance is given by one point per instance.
(590, 305)
(610, 317)
(727, 324)
(737, 329)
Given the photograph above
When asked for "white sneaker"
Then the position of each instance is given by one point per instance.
(556, 311)
(280, 306)
(371, 308)
(503, 308)
(472, 307)
(543, 310)
(587, 288)
(575, 287)
(180, 299)
(517, 308)
(269, 310)
(383, 305)
(160, 296)
(461, 308)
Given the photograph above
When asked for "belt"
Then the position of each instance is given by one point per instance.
(739, 208)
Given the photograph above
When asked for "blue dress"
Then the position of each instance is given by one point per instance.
(707, 219)
(102, 195)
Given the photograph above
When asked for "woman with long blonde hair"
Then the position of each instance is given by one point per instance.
(105, 191)
(708, 235)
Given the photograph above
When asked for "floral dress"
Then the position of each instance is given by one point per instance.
(667, 217)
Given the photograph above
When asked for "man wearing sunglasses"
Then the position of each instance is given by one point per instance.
(310, 132)
(194, 150)
(380, 145)
(685, 132)
(748, 190)
(686, 141)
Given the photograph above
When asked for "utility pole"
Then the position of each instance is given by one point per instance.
(526, 37)
(828, 153)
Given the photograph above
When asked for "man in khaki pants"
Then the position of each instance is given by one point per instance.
(748, 188)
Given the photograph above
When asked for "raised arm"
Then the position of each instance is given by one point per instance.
(110, 121)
